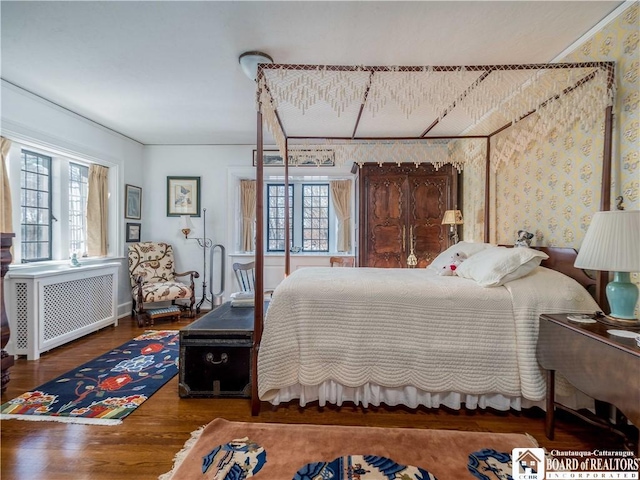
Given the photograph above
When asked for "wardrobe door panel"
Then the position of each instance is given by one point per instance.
(387, 199)
(385, 222)
(429, 242)
(429, 198)
(385, 238)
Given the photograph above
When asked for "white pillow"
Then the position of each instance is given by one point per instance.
(496, 266)
(470, 248)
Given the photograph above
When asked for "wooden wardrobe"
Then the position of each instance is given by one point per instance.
(398, 204)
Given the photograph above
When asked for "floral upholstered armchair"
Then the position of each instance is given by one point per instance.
(153, 277)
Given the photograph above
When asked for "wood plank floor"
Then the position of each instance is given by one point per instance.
(143, 446)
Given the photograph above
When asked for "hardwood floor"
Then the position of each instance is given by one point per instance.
(143, 446)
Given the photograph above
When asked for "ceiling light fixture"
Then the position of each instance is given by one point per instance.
(249, 62)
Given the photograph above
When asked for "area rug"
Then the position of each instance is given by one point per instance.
(225, 450)
(106, 389)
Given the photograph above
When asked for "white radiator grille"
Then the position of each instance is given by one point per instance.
(73, 305)
(22, 311)
(50, 308)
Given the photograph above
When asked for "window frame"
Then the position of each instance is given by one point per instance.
(82, 198)
(327, 185)
(268, 230)
(60, 178)
(296, 224)
(24, 173)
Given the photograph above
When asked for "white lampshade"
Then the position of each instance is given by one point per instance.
(185, 222)
(185, 225)
(249, 62)
(452, 217)
(612, 242)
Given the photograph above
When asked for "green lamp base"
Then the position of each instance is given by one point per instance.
(622, 296)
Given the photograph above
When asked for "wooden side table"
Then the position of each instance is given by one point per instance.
(604, 366)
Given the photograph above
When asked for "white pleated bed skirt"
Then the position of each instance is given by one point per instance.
(330, 392)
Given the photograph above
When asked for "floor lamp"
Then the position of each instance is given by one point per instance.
(204, 243)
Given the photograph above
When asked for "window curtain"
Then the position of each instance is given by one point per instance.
(6, 221)
(97, 212)
(248, 205)
(341, 195)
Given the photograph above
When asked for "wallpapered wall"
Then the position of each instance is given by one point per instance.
(554, 189)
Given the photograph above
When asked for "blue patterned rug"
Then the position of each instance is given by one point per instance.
(106, 389)
(488, 464)
(242, 458)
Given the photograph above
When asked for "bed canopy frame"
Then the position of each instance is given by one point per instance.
(416, 114)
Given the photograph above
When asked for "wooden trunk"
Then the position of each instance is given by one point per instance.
(215, 354)
(400, 206)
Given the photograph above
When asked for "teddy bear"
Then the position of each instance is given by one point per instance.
(450, 268)
(524, 239)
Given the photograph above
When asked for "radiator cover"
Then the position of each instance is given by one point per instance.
(50, 308)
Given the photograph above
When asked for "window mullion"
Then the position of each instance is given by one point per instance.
(297, 217)
(59, 209)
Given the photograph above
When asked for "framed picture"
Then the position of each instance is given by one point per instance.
(133, 232)
(132, 202)
(315, 158)
(183, 196)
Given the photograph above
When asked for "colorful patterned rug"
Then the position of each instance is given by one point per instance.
(225, 450)
(106, 389)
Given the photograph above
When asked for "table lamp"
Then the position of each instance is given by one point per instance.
(453, 218)
(612, 244)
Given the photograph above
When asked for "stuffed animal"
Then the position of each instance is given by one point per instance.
(450, 268)
(524, 239)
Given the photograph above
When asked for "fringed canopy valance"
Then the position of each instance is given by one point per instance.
(435, 114)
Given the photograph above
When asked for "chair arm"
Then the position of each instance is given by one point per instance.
(190, 272)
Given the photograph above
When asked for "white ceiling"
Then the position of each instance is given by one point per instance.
(167, 72)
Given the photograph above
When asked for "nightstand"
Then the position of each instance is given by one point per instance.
(604, 366)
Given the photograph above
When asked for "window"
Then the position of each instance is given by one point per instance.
(315, 217)
(78, 190)
(53, 205)
(311, 218)
(275, 217)
(35, 207)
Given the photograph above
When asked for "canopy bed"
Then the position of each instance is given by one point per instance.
(438, 115)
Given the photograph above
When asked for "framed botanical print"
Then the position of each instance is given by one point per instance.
(183, 196)
(133, 232)
(132, 202)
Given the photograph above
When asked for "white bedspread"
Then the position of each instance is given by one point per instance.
(410, 327)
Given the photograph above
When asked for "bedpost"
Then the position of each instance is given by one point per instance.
(259, 281)
(487, 194)
(287, 235)
(602, 278)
